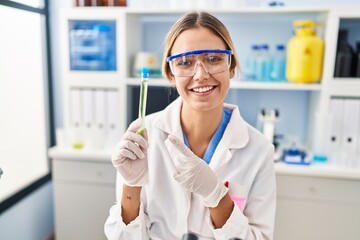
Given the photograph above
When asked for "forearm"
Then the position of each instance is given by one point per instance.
(130, 203)
(221, 213)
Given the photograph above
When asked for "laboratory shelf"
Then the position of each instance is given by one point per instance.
(95, 81)
(317, 170)
(345, 87)
(64, 153)
(274, 86)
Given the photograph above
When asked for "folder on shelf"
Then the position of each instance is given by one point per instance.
(100, 117)
(75, 133)
(113, 117)
(112, 103)
(76, 108)
(351, 124)
(88, 118)
(335, 131)
(88, 109)
(100, 109)
(350, 131)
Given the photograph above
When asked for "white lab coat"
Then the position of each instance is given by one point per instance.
(167, 211)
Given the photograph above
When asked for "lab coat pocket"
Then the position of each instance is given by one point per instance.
(238, 193)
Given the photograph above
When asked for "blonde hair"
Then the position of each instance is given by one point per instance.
(197, 20)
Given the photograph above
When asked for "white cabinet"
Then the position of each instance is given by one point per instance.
(319, 205)
(84, 191)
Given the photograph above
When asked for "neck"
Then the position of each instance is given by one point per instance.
(199, 127)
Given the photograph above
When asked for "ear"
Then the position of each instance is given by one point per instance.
(232, 73)
(172, 78)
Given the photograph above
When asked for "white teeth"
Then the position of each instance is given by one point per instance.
(203, 89)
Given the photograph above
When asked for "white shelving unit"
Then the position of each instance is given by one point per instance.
(144, 30)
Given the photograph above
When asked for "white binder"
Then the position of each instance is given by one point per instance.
(335, 131)
(350, 137)
(351, 125)
(75, 133)
(76, 108)
(113, 118)
(100, 109)
(100, 118)
(88, 109)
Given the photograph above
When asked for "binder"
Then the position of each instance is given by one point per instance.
(112, 118)
(100, 109)
(88, 118)
(351, 125)
(75, 106)
(100, 118)
(113, 108)
(75, 134)
(351, 135)
(88, 109)
(335, 131)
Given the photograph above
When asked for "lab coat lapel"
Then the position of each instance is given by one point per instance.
(236, 136)
(169, 122)
(169, 119)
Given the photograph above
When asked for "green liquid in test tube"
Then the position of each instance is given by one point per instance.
(143, 97)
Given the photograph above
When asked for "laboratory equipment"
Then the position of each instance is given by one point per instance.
(269, 118)
(148, 60)
(344, 56)
(279, 64)
(263, 64)
(92, 45)
(304, 54)
(250, 66)
(143, 97)
(295, 155)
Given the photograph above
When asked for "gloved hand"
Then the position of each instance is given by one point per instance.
(130, 156)
(194, 174)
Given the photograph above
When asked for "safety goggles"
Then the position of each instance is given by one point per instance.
(213, 61)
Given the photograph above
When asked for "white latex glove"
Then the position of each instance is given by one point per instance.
(130, 156)
(194, 174)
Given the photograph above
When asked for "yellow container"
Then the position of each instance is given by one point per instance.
(304, 54)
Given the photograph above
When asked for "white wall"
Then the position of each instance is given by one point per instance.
(30, 219)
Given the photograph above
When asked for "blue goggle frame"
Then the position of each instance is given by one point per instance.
(168, 59)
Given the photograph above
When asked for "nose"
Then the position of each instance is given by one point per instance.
(200, 71)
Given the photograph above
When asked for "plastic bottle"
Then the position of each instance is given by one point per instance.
(279, 64)
(304, 58)
(250, 66)
(344, 56)
(263, 64)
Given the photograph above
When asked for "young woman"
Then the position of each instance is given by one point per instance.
(200, 168)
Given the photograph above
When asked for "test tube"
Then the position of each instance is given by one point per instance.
(143, 97)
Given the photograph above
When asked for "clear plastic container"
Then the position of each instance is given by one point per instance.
(279, 64)
(263, 64)
(250, 66)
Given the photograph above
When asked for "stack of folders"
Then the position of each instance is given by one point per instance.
(344, 132)
(94, 118)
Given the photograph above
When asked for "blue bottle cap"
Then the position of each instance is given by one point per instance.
(254, 47)
(145, 72)
(280, 47)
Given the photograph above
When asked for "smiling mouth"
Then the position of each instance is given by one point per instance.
(203, 89)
